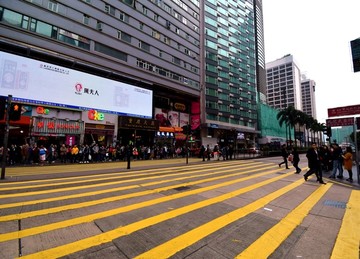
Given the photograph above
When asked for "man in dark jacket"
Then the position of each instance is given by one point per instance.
(314, 164)
(284, 154)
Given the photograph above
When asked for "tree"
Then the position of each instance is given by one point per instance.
(289, 117)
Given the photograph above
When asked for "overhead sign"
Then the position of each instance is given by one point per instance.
(138, 123)
(40, 83)
(344, 111)
(355, 51)
(349, 121)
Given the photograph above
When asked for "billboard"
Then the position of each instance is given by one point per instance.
(348, 121)
(40, 83)
(355, 51)
(343, 111)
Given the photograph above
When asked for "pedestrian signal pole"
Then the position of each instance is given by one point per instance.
(356, 152)
(6, 137)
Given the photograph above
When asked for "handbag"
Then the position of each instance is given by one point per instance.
(290, 158)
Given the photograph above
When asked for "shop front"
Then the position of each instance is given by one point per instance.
(100, 127)
(46, 131)
(137, 131)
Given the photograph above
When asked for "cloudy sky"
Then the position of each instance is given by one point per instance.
(318, 34)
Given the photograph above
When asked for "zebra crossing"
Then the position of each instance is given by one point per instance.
(232, 209)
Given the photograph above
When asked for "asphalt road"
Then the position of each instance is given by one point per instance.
(247, 208)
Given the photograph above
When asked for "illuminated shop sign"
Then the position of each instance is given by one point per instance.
(138, 123)
(94, 115)
(47, 126)
(42, 110)
(180, 107)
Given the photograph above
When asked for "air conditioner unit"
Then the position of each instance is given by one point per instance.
(99, 27)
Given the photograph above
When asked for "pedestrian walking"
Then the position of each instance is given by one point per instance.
(208, 152)
(348, 163)
(314, 164)
(337, 159)
(296, 159)
(284, 154)
(202, 152)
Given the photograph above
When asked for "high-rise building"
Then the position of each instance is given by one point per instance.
(260, 51)
(194, 64)
(283, 83)
(308, 97)
(230, 87)
(133, 45)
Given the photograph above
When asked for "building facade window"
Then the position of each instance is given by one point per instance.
(44, 29)
(124, 17)
(53, 6)
(156, 34)
(86, 19)
(124, 36)
(110, 10)
(144, 46)
(110, 51)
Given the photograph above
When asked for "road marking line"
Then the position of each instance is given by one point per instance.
(41, 170)
(24, 215)
(88, 178)
(73, 247)
(21, 194)
(122, 188)
(180, 242)
(348, 240)
(264, 246)
(89, 218)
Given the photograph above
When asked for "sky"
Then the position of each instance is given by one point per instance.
(317, 33)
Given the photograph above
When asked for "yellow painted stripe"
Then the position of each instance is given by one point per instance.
(127, 173)
(78, 195)
(91, 178)
(347, 243)
(272, 239)
(126, 230)
(175, 245)
(108, 213)
(56, 169)
(27, 194)
(24, 215)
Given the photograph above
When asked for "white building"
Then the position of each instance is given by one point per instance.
(308, 96)
(283, 83)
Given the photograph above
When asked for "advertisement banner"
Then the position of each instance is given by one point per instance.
(184, 119)
(40, 83)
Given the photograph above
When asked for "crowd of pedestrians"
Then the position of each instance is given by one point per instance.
(321, 159)
(86, 153)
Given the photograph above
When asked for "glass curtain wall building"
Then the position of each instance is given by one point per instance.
(230, 86)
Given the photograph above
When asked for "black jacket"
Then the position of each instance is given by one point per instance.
(313, 158)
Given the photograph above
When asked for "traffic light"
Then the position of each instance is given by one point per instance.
(2, 107)
(328, 131)
(15, 112)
